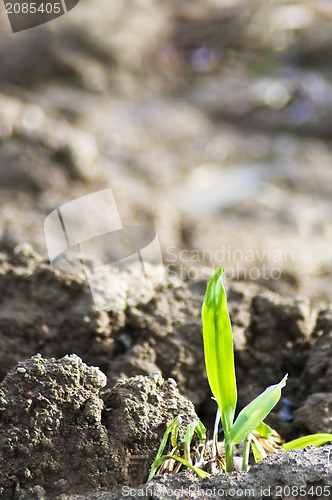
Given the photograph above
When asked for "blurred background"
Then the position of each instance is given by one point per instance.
(211, 120)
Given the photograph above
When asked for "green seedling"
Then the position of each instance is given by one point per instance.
(201, 473)
(173, 428)
(200, 430)
(219, 362)
(249, 425)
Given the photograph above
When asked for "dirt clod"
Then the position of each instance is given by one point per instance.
(58, 434)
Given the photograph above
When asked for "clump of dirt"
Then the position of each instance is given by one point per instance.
(318, 371)
(57, 435)
(50, 427)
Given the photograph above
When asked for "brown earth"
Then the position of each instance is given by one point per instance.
(60, 434)
(211, 122)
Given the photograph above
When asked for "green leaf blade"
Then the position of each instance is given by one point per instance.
(264, 430)
(257, 449)
(311, 439)
(174, 424)
(218, 348)
(201, 473)
(200, 430)
(255, 412)
(189, 434)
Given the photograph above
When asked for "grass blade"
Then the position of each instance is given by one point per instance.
(187, 439)
(255, 412)
(175, 423)
(264, 430)
(257, 449)
(245, 456)
(218, 349)
(200, 430)
(214, 442)
(201, 473)
(175, 431)
(311, 439)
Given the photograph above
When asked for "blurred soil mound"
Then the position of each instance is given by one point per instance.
(210, 121)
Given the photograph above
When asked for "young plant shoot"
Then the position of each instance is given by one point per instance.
(248, 426)
(219, 361)
(195, 427)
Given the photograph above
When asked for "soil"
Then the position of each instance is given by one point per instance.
(309, 470)
(211, 122)
(68, 428)
(58, 435)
